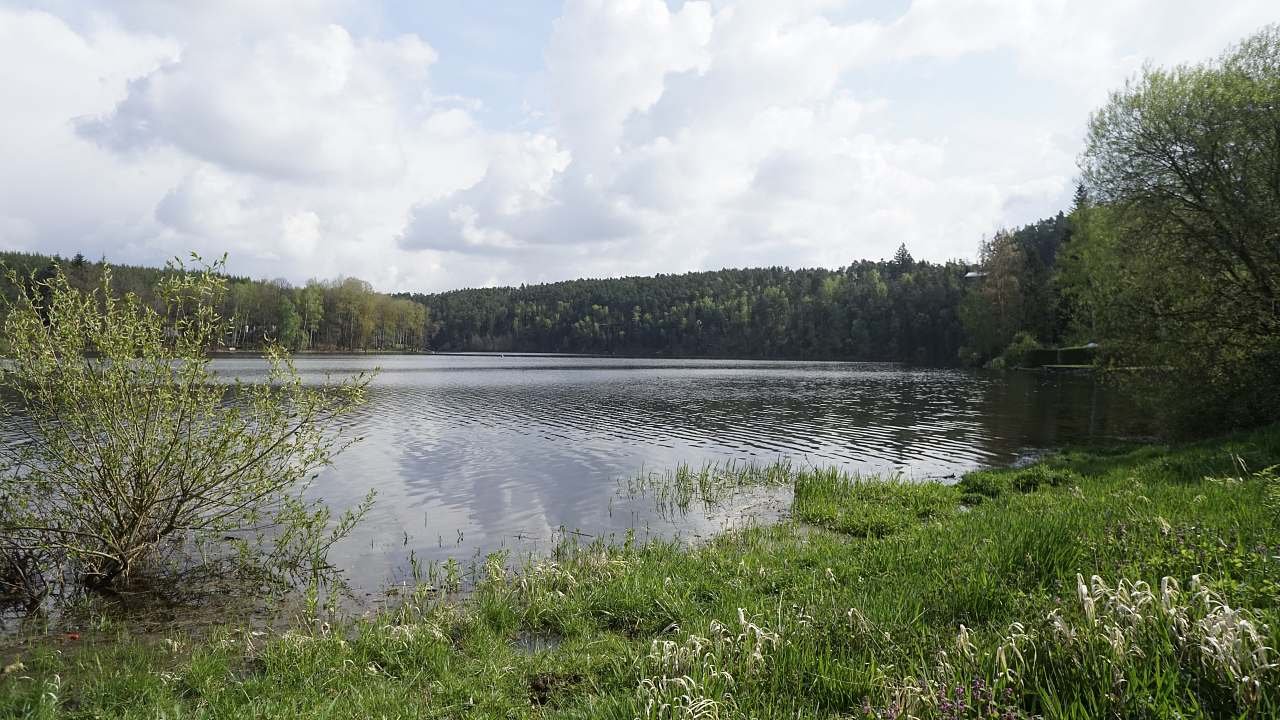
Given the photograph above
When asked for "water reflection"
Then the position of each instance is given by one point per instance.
(472, 454)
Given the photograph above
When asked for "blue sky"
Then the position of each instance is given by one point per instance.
(432, 145)
(488, 50)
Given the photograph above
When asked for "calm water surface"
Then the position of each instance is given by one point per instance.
(472, 454)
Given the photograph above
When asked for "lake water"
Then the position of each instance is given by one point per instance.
(472, 454)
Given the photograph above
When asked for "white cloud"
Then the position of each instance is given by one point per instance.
(306, 137)
(299, 150)
(55, 187)
(610, 58)
(311, 106)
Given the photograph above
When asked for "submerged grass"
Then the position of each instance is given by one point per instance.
(1126, 583)
(675, 492)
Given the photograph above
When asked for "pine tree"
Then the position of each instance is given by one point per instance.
(902, 261)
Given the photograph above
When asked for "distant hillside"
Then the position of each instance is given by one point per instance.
(895, 310)
(888, 310)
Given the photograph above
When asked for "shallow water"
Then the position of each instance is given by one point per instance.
(472, 454)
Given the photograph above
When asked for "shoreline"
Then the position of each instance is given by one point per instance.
(841, 607)
(613, 356)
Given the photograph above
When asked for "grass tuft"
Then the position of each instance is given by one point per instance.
(868, 507)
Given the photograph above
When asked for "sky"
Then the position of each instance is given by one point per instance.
(438, 144)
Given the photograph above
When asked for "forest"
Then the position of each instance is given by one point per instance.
(343, 314)
(899, 309)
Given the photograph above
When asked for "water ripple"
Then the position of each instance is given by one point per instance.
(471, 454)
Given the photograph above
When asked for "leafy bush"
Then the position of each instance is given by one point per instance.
(1039, 475)
(133, 458)
(1018, 353)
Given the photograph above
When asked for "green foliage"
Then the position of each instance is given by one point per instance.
(1018, 292)
(989, 484)
(344, 314)
(1179, 261)
(130, 458)
(290, 330)
(1019, 352)
(898, 310)
(868, 507)
(1044, 475)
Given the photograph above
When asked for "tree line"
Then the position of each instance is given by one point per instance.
(342, 314)
(899, 309)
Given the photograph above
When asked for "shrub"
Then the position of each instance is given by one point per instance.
(994, 483)
(134, 458)
(985, 484)
(1018, 354)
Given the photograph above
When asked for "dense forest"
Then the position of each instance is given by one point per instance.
(889, 310)
(899, 309)
(344, 314)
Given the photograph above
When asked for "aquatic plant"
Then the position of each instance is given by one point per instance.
(675, 491)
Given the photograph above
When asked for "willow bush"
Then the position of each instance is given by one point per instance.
(127, 458)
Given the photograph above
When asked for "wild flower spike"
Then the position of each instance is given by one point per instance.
(963, 643)
(1086, 600)
(1168, 593)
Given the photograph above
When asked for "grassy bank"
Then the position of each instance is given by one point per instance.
(1141, 583)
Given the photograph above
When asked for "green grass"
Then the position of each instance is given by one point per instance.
(868, 507)
(871, 601)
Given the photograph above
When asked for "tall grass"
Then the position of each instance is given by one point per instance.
(1138, 583)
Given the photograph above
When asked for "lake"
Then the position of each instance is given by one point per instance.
(473, 454)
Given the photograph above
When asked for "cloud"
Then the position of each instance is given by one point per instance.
(59, 192)
(309, 138)
(311, 106)
(298, 148)
(523, 173)
(609, 59)
(728, 141)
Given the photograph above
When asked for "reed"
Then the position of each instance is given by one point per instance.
(708, 486)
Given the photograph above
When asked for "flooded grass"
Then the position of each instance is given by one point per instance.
(1137, 583)
(675, 492)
